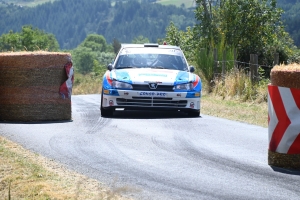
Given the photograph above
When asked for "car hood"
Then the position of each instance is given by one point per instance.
(146, 75)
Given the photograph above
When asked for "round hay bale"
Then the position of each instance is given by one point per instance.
(29, 86)
(287, 77)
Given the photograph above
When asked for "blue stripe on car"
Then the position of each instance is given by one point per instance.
(181, 78)
(123, 76)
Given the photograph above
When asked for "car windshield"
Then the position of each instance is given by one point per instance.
(160, 59)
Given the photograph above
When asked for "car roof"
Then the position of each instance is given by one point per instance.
(146, 45)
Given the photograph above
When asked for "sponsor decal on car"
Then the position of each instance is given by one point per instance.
(153, 94)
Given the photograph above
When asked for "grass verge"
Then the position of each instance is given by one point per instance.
(26, 175)
(87, 84)
(232, 109)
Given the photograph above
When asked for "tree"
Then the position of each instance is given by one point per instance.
(116, 45)
(97, 68)
(95, 43)
(173, 35)
(10, 42)
(29, 39)
(83, 60)
(140, 40)
(92, 54)
(185, 40)
(252, 26)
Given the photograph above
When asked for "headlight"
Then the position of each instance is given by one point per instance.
(121, 85)
(187, 86)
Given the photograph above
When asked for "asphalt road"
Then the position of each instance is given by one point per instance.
(161, 155)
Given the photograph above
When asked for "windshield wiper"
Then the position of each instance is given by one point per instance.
(124, 67)
(158, 67)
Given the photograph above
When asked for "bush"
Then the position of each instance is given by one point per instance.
(237, 84)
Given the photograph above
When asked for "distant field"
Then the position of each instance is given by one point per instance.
(32, 3)
(187, 3)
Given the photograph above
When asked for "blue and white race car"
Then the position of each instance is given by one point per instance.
(150, 76)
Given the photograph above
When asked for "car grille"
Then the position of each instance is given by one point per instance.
(152, 102)
(159, 87)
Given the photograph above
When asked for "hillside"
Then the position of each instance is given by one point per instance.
(72, 20)
(291, 18)
(31, 3)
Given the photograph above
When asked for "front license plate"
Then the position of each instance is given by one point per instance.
(153, 94)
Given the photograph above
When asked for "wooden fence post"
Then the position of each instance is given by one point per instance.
(255, 68)
(215, 61)
(234, 58)
(224, 63)
(251, 67)
(276, 59)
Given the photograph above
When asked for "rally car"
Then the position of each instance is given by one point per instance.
(150, 76)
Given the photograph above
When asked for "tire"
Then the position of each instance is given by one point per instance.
(194, 113)
(105, 112)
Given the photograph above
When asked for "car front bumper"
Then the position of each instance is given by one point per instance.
(158, 100)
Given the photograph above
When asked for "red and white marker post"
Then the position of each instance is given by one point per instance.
(284, 119)
(66, 88)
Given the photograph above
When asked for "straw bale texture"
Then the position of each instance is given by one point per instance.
(35, 113)
(36, 59)
(286, 76)
(288, 161)
(29, 86)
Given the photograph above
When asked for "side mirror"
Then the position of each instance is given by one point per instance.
(192, 69)
(109, 67)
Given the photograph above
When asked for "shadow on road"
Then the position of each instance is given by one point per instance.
(36, 122)
(146, 114)
(286, 171)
